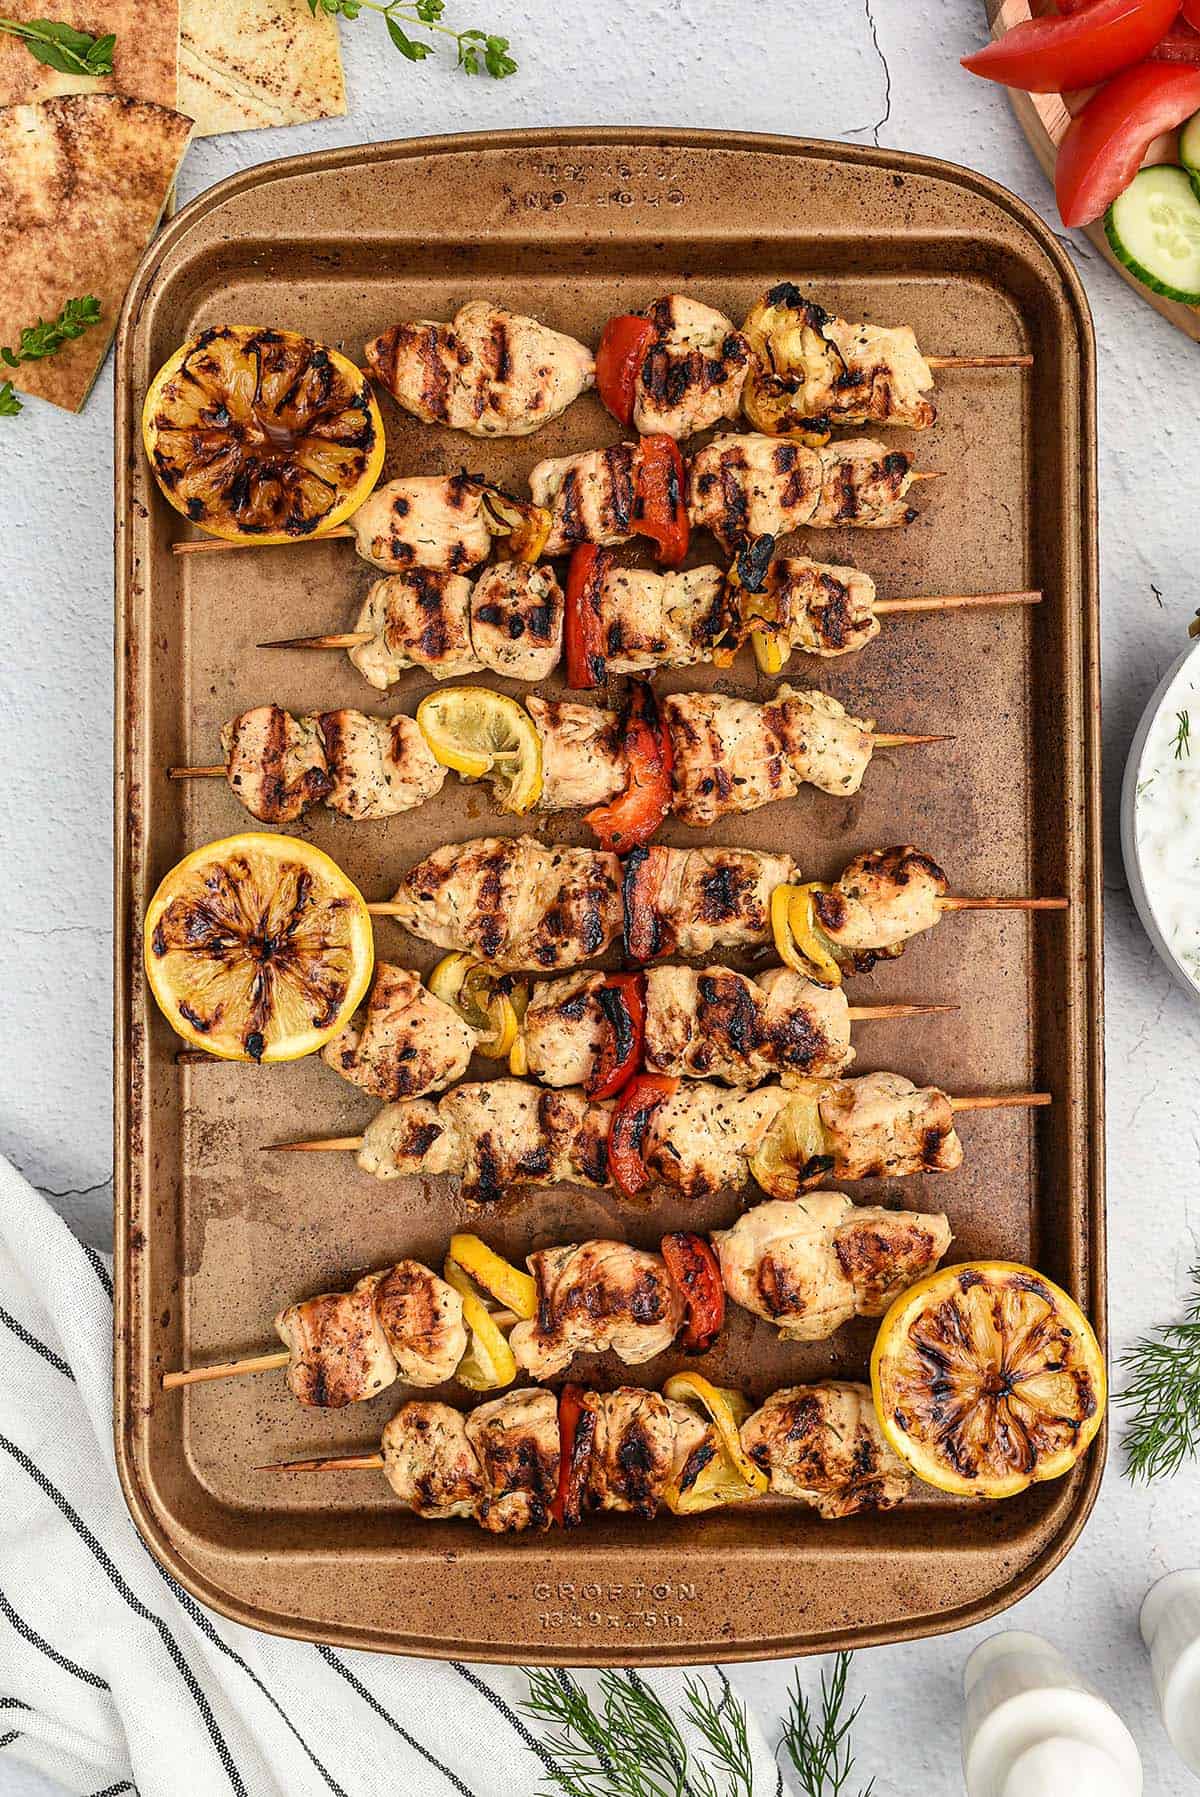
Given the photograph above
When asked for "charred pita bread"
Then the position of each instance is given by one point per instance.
(83, 181)
(246, 64)
(144, 56)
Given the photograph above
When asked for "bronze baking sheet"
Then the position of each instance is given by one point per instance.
(213, 1235)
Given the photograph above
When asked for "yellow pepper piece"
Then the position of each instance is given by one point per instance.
(768, 651)
(795, 1141)
(795, 930)
(489, 1362)
(518, 1058)
(728, 1410)
(470, 987)
(717, 1485)
(446, 980)
(517, 1291)
(526, 527)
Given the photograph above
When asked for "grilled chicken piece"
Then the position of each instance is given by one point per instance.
(819, 609)
(809, 368)
(882, 1124)
(378, 767)
(700, 1140)
(593, 1297)
(702, 899)
(565, 1028)
(823, 1445)
(590, 497)
(275, 763)
(632, 1449)
(404, 1042)
(490, 372)
(668, 620)
(340, 1353)
(515, 901)
(712, 1023)
(583, 763)
(516, 1441)
(419, 619)
(809, 1266)
(517, 620)
(422, 1319)
(881, 901)
(429, 1462)
(424, 521)
(494, 1135)
(753, 486)
(732, 755)
(692, 375)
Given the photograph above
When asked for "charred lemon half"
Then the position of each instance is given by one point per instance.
(263, 434)
(258, 948)
(988, 1378)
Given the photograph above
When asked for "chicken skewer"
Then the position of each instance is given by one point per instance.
(511, 621)
(526, 1461)
(728, 755)
(499, 1135)
(805, 1267)
(518, 903)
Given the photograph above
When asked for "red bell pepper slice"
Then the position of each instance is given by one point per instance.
(696, 1272)
(1106, 143)
(641, 886)
(1191, 12)
(576, 1434)
(619, 357)
(659, 501)
(622, 999)
(631, 820)
(628, 1125)
(1055, 55)
(582, 625)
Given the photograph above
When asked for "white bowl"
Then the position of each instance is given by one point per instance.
(1160, 821)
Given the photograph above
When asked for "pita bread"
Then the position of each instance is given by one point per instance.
(144, 58)
(246, 64)
(83, 181)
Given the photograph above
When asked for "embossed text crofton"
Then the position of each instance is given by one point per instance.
(213, 1236)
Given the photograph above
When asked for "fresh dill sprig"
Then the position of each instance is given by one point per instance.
(10, 405)
(1183, 736)
(477, 50)
(818, 1743)
(631, 1747)
(1163, 1395)
(61, 47)
(37, 341)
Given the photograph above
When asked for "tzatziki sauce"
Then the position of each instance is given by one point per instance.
(1167, 818)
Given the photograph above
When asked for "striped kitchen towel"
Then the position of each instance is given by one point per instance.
(113, 1679)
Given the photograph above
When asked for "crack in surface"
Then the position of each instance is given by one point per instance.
(77, 1191)
(877, 127)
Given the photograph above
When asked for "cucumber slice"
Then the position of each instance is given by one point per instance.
(1189, 144)
(1154, 229)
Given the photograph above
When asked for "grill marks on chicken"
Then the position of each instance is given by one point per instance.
(812, 369)
(654, 620)
(819, 1444)
(583, 762)
(881, 901)
(404, 1042)
(509, 622)
(753, 486)
(345, 1347)
(590, 497)
(432, 521)
(819, 608)
(490, 372)
(732, 755)
(701, 899)
(592, 1297)
(808, 1266)
(364, 767)
(692, 374)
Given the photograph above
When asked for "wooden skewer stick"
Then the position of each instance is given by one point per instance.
(213, 545)
(997, 1102)
(979, 361)
(872, 1013)
(1002, 904)
(906, 742)
(226, 1369)
(346, 639)
(933, 602)
(352, 1463)
(197, 773)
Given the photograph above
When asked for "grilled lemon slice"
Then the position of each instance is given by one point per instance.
(988, 1378)
(795, 1147)
(484, 735)
(258, 948)
(263, 434)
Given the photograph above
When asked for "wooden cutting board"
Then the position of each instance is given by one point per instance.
(1044, 119)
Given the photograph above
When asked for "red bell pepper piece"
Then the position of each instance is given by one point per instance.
(1182, 44)
(641, 885)
(619, 357)
(622, 999)
(1191, 12)
(582, 627)
(659, 501)
(696, 1272)
(1105, 144)
(628, 1125)
(1054, 55)
(631, 820)
(576, 1434)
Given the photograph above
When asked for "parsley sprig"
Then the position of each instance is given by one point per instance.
(61, 47)
(477, 50)
(629, 1745)
(37, 341)
(1163, 1395)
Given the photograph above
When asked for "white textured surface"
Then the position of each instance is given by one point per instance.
(867, 70)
